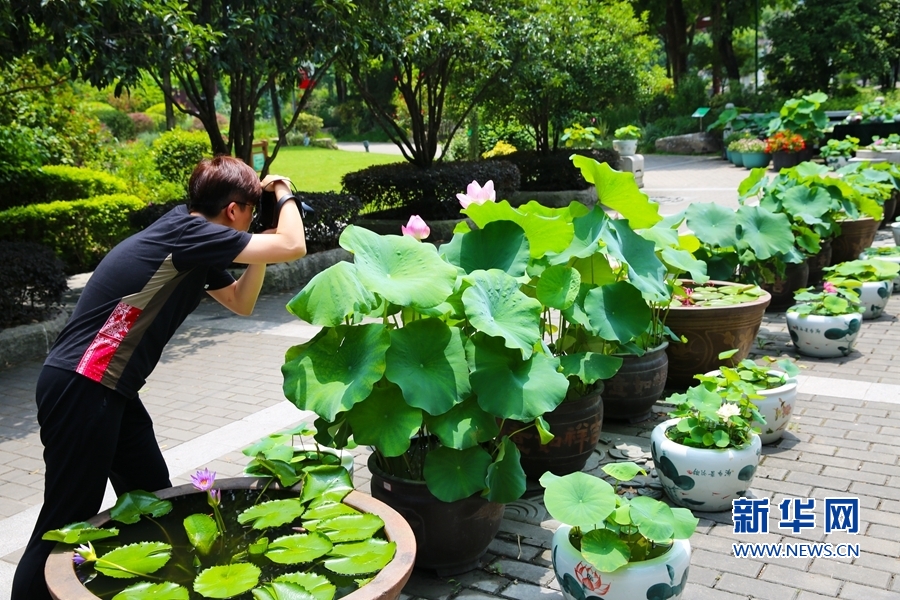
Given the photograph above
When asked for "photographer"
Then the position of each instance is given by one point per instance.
(93, 424)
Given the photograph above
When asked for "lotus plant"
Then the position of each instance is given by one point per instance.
(416, 228)
(475, 194)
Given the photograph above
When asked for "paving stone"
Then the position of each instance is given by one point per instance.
(693, 591)
(522, 552)
(833, 461)
(724, 562)
(799, 477)
(483, 581)
(774, 462)
(854, 475)
(839, 442)
(524, 572)
(526, 591)
(851, 572)
(875, 490)
(765, 590)
(877, 562)
(888, 459)
(701, 576)
(854, 591)
(812, 582)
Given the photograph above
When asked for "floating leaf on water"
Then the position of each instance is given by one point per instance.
(129, 507)
(272, 513)
(350, 528)
(79, 533)
(317, 585)
(359, 558)
(298, 548)
(153, 591)
(282, 591)
(202, 532)
(134, 560)
(227, 581)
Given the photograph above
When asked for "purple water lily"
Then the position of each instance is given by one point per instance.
(203, 480)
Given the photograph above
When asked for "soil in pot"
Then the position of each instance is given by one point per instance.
(855, 236)
(631, 393)
(451, 537)
(575, 425)
(795, 278)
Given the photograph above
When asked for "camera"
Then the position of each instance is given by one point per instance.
(269, 208)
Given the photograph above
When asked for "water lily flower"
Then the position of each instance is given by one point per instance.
(475, 194)
(215, 496)
(830, 288)
(203, 480)
(84, 553)
(416, 228)
(728, 410)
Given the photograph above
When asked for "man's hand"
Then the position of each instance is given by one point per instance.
(268, 182)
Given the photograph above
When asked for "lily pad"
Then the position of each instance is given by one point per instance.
(79, 533)
(130, 506)
(134, 560)
(273, 513)
(360, 557)
(227, 581)
(315, 584)
(299, 548)
(153, 591)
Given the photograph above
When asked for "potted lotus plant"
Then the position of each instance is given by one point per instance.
(870, 278)
(614, 547)
(837, 153)
(626, 139)
(825, 323)
(227, 538)
(886, 253)
(707, 453)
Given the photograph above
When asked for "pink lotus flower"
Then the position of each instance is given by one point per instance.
(416, 228)
(203, 480)
(475, 194)
(830, 288)
(589, 577)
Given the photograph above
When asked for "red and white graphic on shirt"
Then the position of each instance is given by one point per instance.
(97, 356)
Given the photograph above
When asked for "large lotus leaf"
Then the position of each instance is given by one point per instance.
(714, 225)
(315, 584)
(685, 523)
(573, 210)
(816, 98)
(350, 528)
(558, 287)
(134, 560)
(359, 558)
(682, 261)
(654, 519)
(617, 311)
(590, 366)
(385, 420)
(273, 513)
(604, 550)
(505, 476)
(579, 499)
(509, 387)
(495, 305)
(153, 591)
(336, 369)
(299, 548)
(327, 510)
(426, 359)
(753, 183)
(586, 240)
(400, 269)
(765, 233)
(332, 296)
(809, 205)
(78, 533)
(619, 191)
(576, 313)
(456, 474)
(499, 245)
(130, 506)
(645, 270)
(594, 269)
(463, 426)
(545, 234)
(325, 483)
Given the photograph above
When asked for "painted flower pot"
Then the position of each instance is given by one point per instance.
(631, 393)
(895, 284)
(895, 231)
(625, 147)
(836, 162)
(737, 158)
(754, 160)
(855, 236)
(703, 479)
(663, 577)
(873, 296)
(823, 336)
(776, 406)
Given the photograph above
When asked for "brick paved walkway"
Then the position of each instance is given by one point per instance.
(844, 441)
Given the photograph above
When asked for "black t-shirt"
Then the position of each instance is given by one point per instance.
(138, 296)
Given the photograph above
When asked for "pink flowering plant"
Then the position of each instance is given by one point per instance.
(416, 228)
(832, 300)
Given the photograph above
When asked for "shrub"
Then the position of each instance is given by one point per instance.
(28, 185)
(118, 123)
(177, 152)
(143, 122)
(80, 232)
(332, 212)
(146, 216)
(32, 281)
(430, 191)
(555, 171)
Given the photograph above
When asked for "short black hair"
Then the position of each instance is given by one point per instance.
(218, 181)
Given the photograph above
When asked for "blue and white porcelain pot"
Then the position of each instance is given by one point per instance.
(705, 479)
(873, 296)
(662, 578)
(823, 336)
(776, 406)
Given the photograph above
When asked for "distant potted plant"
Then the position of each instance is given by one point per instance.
(772, 387)
(838, 152)
(785, 148)
(883, 148)
(278, 455)
(753, 153)
(707, 453)
(627, 139)
(735, 153)
(614, 547)
(888, 253)
(803, 116)
(870, 278)
(825, 324)
(577, 136)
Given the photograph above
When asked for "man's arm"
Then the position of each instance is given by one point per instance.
(240, 297)
(286, 243)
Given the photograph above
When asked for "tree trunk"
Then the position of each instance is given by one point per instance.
(167, 98)
(676, 39)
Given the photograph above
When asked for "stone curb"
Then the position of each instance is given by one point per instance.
(27, 342)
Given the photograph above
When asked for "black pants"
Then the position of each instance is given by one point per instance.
(90, 433)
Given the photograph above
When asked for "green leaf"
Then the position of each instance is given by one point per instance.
(505, 476)
(750, 183)
(619, 192)
(715, 225)
(604, 550)
(315, 584)
(456, 474)
(617, 312)
(645, 271)
(129, 507)
(336, 369)
(590, 367)
(586, 240)
(511, 388)
(543, 429)
(279, 590)
(360, 557)
(332, 296)
(400, 269)
(323, 483)
(226, 581)
(272, 513)
(201, 531)
(298, 548)
(385, 420)
(558, 287)
(495, 306)
(685, 523)
(623, 471)
(721, 438)
(578, 499)
(134, 560)
(350, 528)
(79, 533)
(499, 245)
(809, 205)
(427, 360)
(653, 518)
(463, 426)
(153, 591)
(259, 547)
(286, 473)
(327, 510)
(545, 234)
(594, 270)
(767, 234)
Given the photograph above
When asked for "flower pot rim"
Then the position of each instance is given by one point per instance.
(788, 383)
(763, 300)
(650, 562)
(647, 352)
(861, 218)
(60, 574)
(790, 310)
(671, 423)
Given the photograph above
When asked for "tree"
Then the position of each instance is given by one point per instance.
(440, 53)
(573, 56)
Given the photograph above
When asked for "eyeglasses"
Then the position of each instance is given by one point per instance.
(252, 205)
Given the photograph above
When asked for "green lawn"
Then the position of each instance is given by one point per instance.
(320, 170)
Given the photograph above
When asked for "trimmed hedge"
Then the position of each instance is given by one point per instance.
(332, 212)
(79, 232)
(27, 185)
(32, 281)
(554, 171)
(430, 191)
